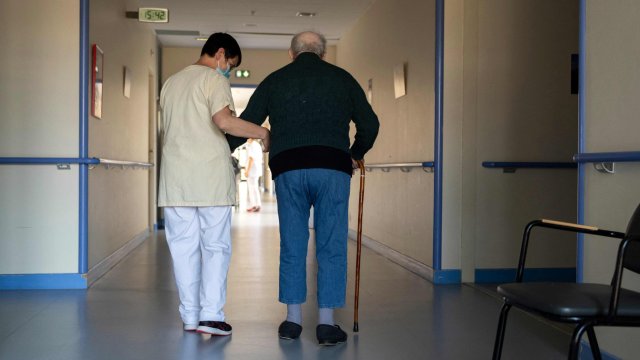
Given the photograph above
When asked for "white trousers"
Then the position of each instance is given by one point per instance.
(254, 191)
(199, 239)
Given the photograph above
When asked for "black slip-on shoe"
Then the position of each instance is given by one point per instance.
(330, 335)
(289, 330)
(214, 328)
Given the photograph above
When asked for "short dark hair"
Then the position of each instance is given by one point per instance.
(225, 41)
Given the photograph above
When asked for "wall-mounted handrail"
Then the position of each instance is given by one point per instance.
(46, 161)
(68, 161)
(604, 162)
(620, 156)
(512, 166)
(405, 167)
(124, 163)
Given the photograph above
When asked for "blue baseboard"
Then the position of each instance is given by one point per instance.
(43, 281)
(450, 276)
(488, 276)
(585, 353)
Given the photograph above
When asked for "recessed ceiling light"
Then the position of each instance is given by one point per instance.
(202, 38)
(306, 14)
(250, 25)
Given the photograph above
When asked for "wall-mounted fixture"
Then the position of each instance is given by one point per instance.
(152, 15)
(399, 87)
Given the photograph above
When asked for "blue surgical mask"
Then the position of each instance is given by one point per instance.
(226, 73)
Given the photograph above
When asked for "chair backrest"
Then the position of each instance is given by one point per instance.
(632, 255)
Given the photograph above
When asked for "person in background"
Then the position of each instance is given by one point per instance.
(310, 104)
(253, 173)
(197, 183)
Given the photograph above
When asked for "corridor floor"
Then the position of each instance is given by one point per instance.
(131, 312)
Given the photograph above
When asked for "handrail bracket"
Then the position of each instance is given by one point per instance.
(605, 167)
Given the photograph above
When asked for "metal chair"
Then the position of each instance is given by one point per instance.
(586, 305)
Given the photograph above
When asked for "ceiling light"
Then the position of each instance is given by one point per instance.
(306, 14)
(202, 38)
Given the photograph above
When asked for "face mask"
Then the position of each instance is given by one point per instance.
(226, 73)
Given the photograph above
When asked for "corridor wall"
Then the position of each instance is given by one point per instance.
(513, 103)
(119, 199)
(506, 98)
(611, 124)
(38, 118)
(398, 205)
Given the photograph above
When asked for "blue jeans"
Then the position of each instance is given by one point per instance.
(328, 192)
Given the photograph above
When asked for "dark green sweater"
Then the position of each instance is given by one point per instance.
(311, 102)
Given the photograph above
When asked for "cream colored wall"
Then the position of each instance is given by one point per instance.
(469, 103)
(506, 99)
(612, 88)
(398, 206)
(453, 88)
(38, 118)
(174, 59)
(119, 199)
(523, 112)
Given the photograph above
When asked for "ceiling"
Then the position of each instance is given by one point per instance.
(256, 24)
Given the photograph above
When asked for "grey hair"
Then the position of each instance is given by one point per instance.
(308, 41)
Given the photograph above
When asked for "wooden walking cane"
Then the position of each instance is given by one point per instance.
(359, 245)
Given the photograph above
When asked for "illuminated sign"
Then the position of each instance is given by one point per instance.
(243, 73)
(153, 15)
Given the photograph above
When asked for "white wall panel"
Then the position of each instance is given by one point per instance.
(38, 219)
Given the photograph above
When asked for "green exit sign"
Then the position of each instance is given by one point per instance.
(154, 15)
(243, 73)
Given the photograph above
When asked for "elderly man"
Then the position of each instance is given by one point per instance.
(310, 104)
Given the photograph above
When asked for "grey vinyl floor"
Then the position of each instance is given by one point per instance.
(131, 312)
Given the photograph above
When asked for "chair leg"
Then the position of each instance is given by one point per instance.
(502, 324)
(574, 348)
(593, 343)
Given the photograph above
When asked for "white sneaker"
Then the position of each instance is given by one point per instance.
(190, 327)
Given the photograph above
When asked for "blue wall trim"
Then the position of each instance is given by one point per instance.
(491, 276)
(444, 277)
(43, 281)
(83, 146)
(46, 160)
(582, 108)
(439, 134)
(585, 353)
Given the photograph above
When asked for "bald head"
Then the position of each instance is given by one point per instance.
(308, 41)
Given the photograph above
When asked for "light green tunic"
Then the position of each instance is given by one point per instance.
(195, 168)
